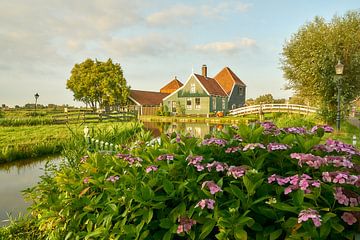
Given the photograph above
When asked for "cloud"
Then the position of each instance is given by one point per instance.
(182, 14)
(147, 45)
(227, 47)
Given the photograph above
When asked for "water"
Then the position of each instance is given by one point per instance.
(15, 177)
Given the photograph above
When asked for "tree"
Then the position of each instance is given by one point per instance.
(98, 83)
(309, 57)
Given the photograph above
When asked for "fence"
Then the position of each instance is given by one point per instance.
(264, 108)
(88, 117)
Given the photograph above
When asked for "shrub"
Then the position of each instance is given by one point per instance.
(256, 182)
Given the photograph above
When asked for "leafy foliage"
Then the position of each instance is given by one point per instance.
(310, 56)
(232, 185)
(98, 83)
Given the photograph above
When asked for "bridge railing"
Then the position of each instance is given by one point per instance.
(302, 109)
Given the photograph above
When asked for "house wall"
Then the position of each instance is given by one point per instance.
(180, 98)
(237, 96)
(218, 104)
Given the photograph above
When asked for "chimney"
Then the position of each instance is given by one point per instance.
(204, 70)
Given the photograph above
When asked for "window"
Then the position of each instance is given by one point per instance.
(188, 103)
(197, 103)
(223, 104)
(192, 89)
(240, 90)
(173, 106)
(214, 103)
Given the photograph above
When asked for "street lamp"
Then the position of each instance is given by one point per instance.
(36, 98)
(339, 69)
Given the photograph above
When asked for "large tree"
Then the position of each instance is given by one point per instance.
(98, 83)
(309, 58)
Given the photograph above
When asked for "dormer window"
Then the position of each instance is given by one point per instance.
(192, 88)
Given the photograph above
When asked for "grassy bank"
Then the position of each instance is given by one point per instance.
(34, 141)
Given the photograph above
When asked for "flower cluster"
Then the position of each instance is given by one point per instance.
(167, 157)
(219, 166)
(86, 180)
(215, 141)
(112, 179)
(132, 160)
(236, 171)
(232, 149)
(196, 162)
(295, 130)
(338, 146)
(349, 218)
(341, 178)
(270, 128)
(209, 203)
(327, 128)
(84, 159)
(339, 161)
(213, 187)
(151, 168)
(185, 224)
(303, 182)
(252, 146)
(342, 198)
(312, 214)
(237, 137)
(309, 159)
(277, 146)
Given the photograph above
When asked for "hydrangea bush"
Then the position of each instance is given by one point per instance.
(247, 182)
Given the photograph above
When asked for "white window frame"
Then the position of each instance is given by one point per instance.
(192, 88)
(214, 103)
(197, 106)
(223, 104)
(187, 105)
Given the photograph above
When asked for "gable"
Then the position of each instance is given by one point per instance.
(171, 86)
(211, 85)
(227, 79)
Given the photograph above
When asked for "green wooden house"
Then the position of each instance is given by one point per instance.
(202, 95)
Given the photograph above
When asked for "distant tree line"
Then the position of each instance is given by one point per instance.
(264, 99)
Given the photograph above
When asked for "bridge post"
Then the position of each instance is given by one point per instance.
(261, 113)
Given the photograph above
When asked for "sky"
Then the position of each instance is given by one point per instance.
(153, 41)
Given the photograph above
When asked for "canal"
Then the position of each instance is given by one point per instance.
(15, 177)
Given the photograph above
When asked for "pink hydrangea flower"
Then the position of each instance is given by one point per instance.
(233, 149)
(213, 187)
(348, 218)
(252, 146)
(185, 224)
(236, 171)
(112, 179)
(209, 203)
(151, 168)
(167, 157)
(309, 213)
(84, 159)
(277, 146)
(86, 180)
(219, 166)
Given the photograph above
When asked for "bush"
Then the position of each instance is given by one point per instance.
(256, 182)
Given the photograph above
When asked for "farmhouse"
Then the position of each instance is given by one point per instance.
(203, 95)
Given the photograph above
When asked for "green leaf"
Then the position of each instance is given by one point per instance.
(68, 235)
(113, 207)
(338, 227)
(285, 207)
(168, 186)
(298, 197)
(201, 177)
(166, 223)
(349, 209)
(144, 235)
(167, 236)
(327, 216)
(240, 234)
(207, 228)
(276, 234)
(325, 229)
(148, 215)
(238, 193)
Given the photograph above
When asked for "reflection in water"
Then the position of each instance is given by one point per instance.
(194, 129)
(15, 177)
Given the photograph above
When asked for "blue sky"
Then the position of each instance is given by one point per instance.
(152, 40)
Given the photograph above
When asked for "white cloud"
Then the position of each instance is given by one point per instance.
(228, 47)
(186, 14)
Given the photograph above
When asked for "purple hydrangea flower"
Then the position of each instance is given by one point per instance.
(112, 179)
(215, 141)
(185, 224)
(277, 146)
(209, 203)
(236, 171)
(151, 168)
(309, 213)
(213, 187)
(167, 157)
(252, 146)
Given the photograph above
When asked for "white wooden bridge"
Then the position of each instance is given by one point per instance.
(270, 108)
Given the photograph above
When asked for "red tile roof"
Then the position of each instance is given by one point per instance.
(211, 85)
(146, 98)
(171, 86)
(227, 78)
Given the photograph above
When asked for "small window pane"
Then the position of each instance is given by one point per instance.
(188, 103)
(197, 103)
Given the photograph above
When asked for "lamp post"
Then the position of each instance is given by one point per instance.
(339, 69)
(36, 98)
